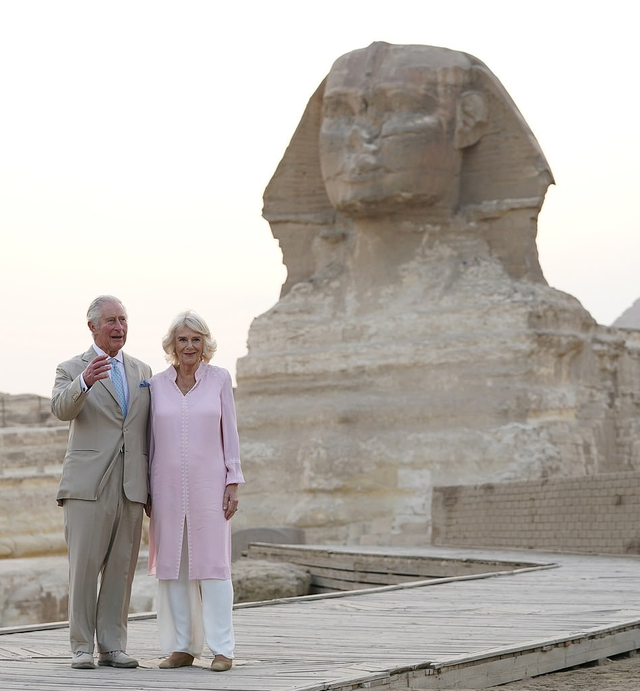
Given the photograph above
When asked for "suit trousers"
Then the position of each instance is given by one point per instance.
(192, 611)
(103, 541)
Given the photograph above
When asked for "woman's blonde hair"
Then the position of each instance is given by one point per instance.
(193, 321)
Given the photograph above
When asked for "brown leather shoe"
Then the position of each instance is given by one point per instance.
(221, 664)
(177, 660)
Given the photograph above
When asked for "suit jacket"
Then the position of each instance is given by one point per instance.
(98, 432)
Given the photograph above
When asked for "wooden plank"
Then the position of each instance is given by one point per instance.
(411, 566)
(333, 571)
(416, 635)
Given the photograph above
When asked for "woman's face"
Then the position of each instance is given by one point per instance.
(188, 345)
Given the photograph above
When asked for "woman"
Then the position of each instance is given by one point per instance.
(194, 466)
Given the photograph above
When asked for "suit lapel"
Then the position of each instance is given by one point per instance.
(89, 355)
(131, 372)
(108, 385)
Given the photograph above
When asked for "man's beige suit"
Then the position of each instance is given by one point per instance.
(103, 488)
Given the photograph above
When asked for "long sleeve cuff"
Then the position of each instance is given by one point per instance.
(234, 473)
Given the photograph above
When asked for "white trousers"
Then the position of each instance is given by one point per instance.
(191, 612)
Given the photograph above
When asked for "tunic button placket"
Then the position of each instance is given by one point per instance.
(185, 470)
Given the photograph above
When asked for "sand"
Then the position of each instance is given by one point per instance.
(621, 673)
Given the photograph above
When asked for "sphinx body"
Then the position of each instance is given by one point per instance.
(416, 341)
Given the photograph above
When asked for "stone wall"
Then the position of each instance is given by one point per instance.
(25, 410)
(32, 449)
(31, 459)
(596, 514)
(31, 522)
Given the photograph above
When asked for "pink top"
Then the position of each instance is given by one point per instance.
(194, 453)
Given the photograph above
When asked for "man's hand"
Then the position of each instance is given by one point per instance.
(97, 369)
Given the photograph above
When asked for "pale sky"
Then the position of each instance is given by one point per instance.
(137, 137)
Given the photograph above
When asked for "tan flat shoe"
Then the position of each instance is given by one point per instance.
(177, 660)
(221, 664)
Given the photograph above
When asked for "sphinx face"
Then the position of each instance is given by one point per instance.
(387, 133)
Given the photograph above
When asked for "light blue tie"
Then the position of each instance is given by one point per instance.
(116, 378)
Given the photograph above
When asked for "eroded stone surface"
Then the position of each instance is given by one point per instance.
(31, 522)
(26, 410)
(281, 535)
(35, 590)
(416, 341)
(255, 580)
(31, 449)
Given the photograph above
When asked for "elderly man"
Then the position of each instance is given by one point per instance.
(105, 396)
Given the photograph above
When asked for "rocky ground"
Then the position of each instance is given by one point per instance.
(621, 673)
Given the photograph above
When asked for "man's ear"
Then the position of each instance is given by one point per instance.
(472, 119)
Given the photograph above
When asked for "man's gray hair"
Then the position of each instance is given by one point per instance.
(95, 308)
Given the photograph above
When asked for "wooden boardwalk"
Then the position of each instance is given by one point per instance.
(473, 632)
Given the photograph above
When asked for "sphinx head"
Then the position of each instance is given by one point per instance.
(395, 122)
(396, 129)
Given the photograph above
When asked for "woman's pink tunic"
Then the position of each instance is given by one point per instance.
(194, 453)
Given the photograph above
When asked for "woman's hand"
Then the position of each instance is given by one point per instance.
(230, 500)
(147, 506)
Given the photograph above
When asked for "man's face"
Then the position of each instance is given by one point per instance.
(110, 333)
(386, 139)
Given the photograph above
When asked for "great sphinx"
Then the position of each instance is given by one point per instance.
(416, 341)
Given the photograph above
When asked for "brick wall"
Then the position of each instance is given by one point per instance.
(597, 514)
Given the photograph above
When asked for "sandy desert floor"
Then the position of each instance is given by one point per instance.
(621, 673)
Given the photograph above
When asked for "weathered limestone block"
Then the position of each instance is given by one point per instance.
(36, 590)
(416, 341)
(33, 591)
(31, 522)
(31, 458)
(282, 535)
(32, 449)
(25, 410)
(255, 580)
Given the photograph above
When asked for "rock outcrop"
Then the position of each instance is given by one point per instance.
(32, 448)
(31, 522)
(31, 438)
(256, 580)
(26, 410)
(416, 341)
(36, 590)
